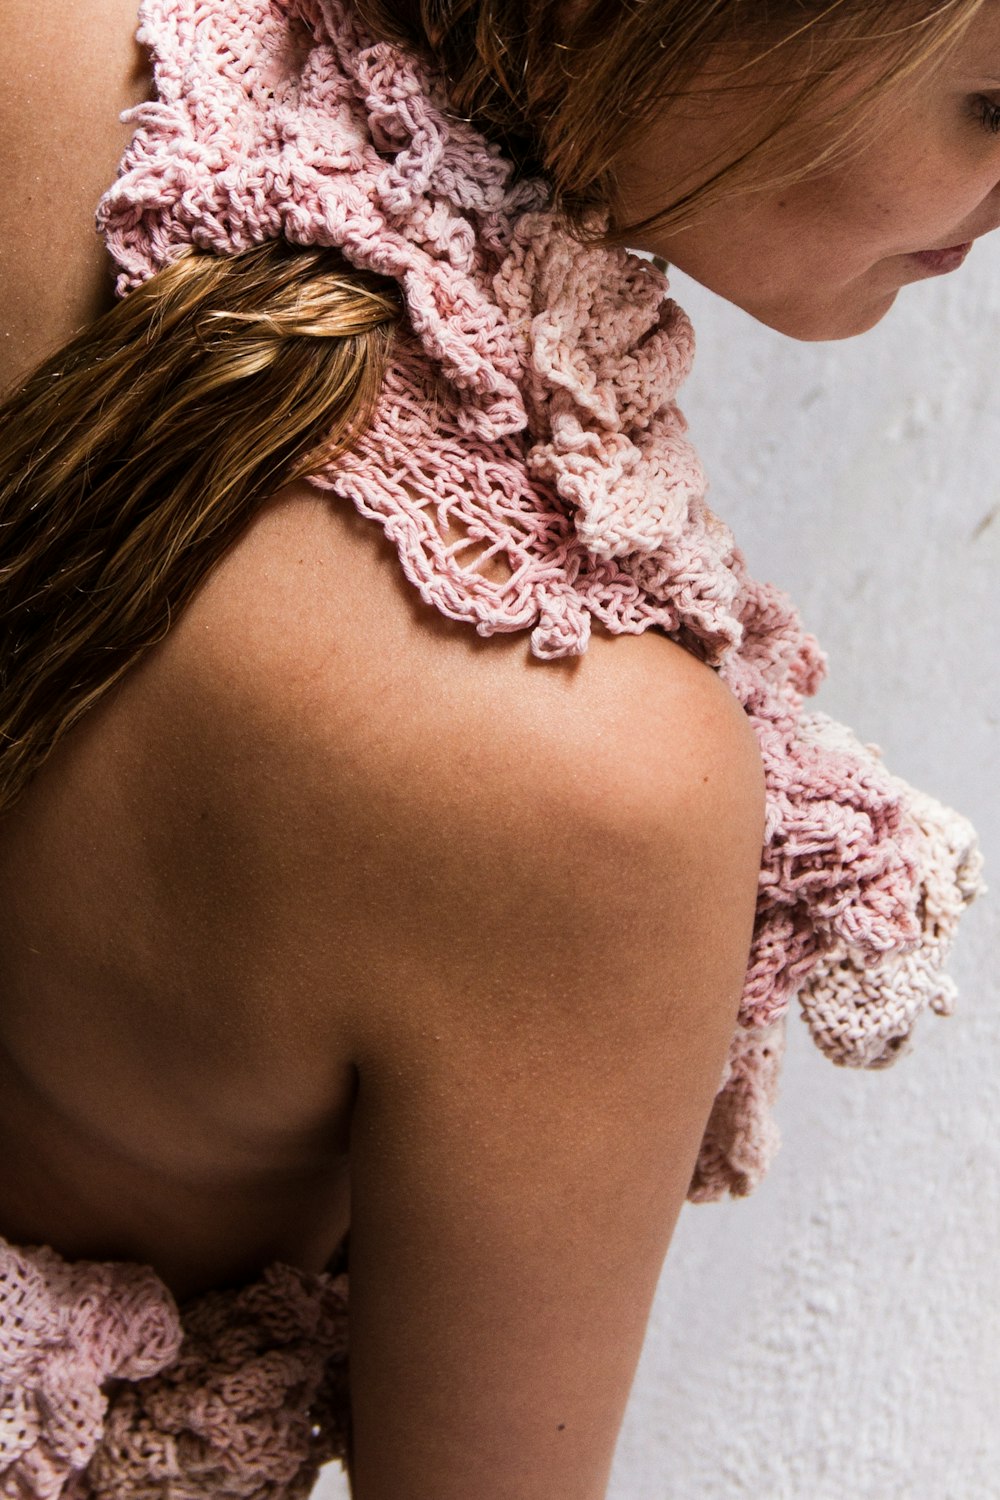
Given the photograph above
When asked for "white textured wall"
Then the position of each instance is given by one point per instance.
(837, 1336)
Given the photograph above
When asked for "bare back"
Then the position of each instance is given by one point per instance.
(67, 74)
(111, 1143)
(330, 882)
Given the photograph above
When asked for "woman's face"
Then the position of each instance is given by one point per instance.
(826, 258)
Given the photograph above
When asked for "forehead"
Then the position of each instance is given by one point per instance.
(963, 52)
(975, 50)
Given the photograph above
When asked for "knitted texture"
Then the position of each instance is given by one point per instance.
(64, 1330)
(109, 1391)
(528, 423)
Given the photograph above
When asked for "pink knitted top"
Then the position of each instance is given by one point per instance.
(530, 418)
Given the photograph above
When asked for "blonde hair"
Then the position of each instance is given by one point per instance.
(566, 92)
(134, 458)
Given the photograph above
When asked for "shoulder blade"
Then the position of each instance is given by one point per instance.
(529, 889)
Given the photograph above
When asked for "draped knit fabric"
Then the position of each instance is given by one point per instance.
(528, 418)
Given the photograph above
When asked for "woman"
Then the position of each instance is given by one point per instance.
(321, 911)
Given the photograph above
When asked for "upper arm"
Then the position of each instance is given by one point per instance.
(526, 892)
(533, 1090)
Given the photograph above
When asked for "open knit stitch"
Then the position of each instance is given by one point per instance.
(528, 418)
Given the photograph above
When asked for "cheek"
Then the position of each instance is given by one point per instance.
(841, 223)
(826, 258)
(898, 205)
(796, 249)
(810, 272)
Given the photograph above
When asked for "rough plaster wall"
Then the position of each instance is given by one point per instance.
(837, 1336)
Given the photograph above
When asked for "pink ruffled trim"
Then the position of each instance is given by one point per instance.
(108, 1390)
(65, 1329)
(533, 420)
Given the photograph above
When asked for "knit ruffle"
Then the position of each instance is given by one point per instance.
(108, 1390)
(530, 423)
(279, 118)
(529, 462)
(66, 1329)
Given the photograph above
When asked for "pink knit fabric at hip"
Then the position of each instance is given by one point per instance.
(529, 417)
(108, 1391)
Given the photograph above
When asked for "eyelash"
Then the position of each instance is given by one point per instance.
(989, 114)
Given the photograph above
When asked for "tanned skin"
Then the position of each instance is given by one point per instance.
(334, 913)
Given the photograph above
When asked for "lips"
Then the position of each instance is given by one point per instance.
(936, 261)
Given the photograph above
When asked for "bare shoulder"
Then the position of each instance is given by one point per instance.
(313, 645)
(67, 73)
(528, 891)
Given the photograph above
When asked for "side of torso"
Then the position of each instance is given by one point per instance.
(157, 1098)
(168, 1092)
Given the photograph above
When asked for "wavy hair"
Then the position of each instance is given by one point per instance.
(132, 459)
(567, 86)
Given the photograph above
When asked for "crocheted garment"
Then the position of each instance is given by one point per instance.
(529, 419)
(109, 1391)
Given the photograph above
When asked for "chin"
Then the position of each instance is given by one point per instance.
(824, 325)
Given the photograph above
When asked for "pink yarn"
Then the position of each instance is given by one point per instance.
(108, 1390)
(65, 1330)
(529, 418)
